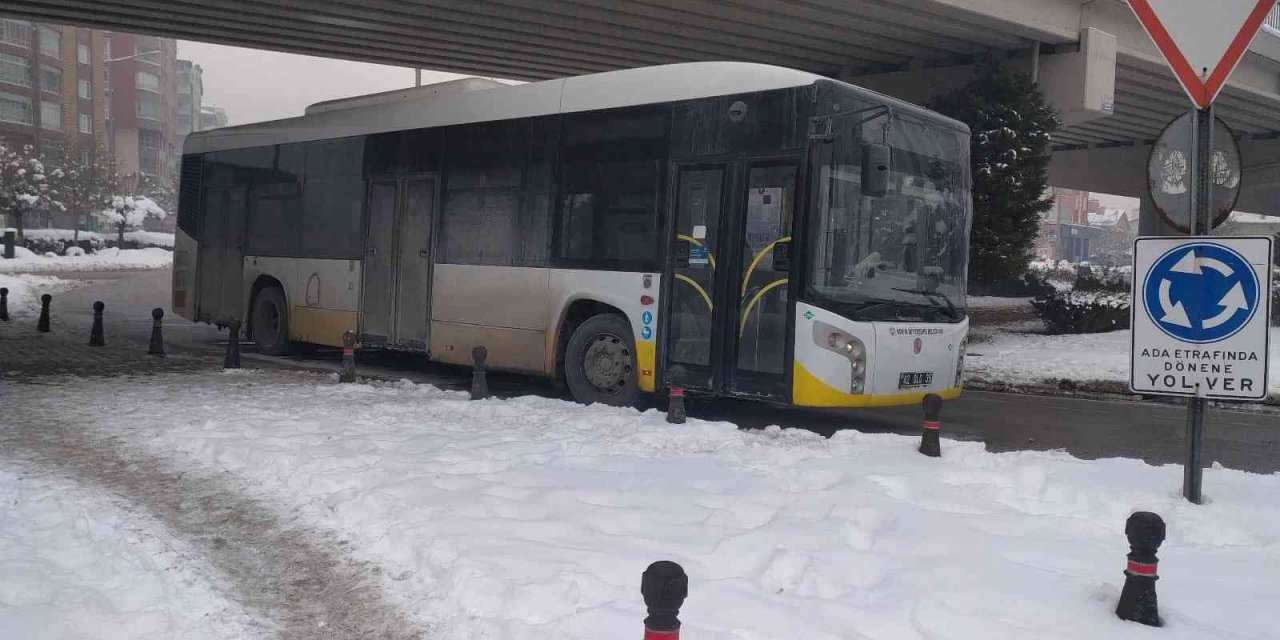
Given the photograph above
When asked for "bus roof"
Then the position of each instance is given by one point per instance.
(425, 108)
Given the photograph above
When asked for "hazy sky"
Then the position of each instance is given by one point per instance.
(255, 85)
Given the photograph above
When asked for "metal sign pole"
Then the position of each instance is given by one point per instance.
(1201, 224)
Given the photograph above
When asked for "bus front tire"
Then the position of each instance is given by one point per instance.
(600, 362)
(271, 322)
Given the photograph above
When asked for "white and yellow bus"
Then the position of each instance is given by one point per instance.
(727, 228)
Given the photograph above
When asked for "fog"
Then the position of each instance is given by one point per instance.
(254, 85)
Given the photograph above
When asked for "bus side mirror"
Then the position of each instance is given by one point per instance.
(876, 161)
(782, 256)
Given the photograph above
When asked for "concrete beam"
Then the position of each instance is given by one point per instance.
(1123, 171)
(1081, 85)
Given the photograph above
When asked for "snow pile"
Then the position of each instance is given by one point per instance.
(1027, 358)
(102, 260)
(533, 518)
(150, 238)
(25, 291)
(78, 565)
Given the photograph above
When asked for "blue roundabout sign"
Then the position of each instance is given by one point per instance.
(1201, 293)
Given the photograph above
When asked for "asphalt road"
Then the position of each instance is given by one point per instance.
(1087, 428)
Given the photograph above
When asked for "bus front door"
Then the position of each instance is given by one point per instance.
(728, 305)
(395, 294)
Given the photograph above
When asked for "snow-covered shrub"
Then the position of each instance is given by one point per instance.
(1103, 281)
(1061, 273)
(129, 212)
(73, 251)
(58, 240)
(1083, 311)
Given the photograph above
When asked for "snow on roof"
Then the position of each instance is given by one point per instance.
(1253, 218)
(1108, 217)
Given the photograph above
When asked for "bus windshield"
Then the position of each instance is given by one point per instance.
(900, 254)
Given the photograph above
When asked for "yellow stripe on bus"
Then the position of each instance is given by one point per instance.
(746, 279)
(756, 298)
(697, 287)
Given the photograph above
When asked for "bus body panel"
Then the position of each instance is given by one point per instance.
(322, 294)
(508, 349)
(183, 300)
(625, 291)
(822, 375)
(562, 175)
(503, 308)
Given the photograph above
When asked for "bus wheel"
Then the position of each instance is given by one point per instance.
(600, 362)
(271, 322)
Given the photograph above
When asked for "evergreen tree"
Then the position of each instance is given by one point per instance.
(1011, 127)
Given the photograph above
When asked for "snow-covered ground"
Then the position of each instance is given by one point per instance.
(995, 302)
(533, 518)
(74, 563)
(102, 260)
(1029, 358)
(25, 291)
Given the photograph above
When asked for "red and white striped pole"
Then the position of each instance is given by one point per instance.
(664, 586)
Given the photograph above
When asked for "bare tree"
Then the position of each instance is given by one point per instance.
(24, 185)
(86, 187)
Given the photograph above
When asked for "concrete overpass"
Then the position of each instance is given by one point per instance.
(1090, 56)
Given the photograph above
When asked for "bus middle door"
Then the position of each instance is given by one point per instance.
(396, 293)
(729, 278)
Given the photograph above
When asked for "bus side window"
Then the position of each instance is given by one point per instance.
(484, 177)
(610, 181)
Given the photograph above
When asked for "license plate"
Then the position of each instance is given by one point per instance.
(913, 379)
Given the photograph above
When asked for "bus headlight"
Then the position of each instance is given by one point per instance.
(853, 349)
(964, 346)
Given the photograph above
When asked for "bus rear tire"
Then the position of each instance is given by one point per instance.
(600, 362)
(271, 322)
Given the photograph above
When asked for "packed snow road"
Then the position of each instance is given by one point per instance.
(157, 547)
(1003, 421)
(533, 517)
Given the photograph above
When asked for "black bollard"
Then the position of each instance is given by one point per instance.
(479, 382)
(675, 405)
(348, 357)
(929, 444)
(4, 304)
(1145, 531)
(8, 244)
(664, 586)
(95, 333)
(232, 361)
(156, 347)
(42, 324)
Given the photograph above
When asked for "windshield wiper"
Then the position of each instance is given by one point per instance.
(933, 296)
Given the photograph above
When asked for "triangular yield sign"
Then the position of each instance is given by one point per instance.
(1202, 40)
